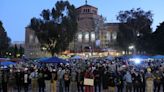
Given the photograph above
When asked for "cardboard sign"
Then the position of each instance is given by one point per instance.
(89, 82)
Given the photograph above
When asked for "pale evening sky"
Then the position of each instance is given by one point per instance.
(16, 14)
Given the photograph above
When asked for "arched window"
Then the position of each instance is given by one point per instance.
(114, 36)
(86, 37)
(93, 37)
(31, 38)
(36, 40)
(80, 36)
(108, 36)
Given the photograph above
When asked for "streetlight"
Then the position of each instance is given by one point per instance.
(132, 47)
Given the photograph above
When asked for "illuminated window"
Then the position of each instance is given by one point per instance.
(80, 37)
(36, 40)
(87, 37)
(31, 38)
(93, 36)
(108, 36)
(114, 36)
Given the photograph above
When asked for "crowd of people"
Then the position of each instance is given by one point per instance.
(107, 75)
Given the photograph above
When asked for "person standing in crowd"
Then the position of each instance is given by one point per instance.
(41, 82)
(11, 81)
(26, 80)
(33, 77)
(19, 77)
(0, 79)
(104, 80)
(48, 77)
(143, 81)
(161, 68)
(97, 80)
(88, 74)
(80, 80)
(136, 82)
(119, 81)
(73, 79)
(54, 80)
(157, 81)
(4, 79)
(128, 81)
(162, 79)
(67, 80)
(111, 81)
(149, 80)
(60, 75)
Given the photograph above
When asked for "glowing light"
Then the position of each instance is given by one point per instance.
(131, 47)
(137, 61)
(123, 52)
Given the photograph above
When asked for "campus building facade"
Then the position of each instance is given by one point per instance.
(93, 34)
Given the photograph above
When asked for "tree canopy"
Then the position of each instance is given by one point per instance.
(135, 24)
(56, 27)
(158, 40)
(4, 40)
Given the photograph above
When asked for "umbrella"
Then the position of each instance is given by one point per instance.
(7, 63)
(53, 60)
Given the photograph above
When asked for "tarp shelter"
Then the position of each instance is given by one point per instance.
(53, 60)
(7, 63)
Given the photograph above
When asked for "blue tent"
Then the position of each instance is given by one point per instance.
(158, 57)
(41, 59)
(110, 58)
(7, 63)
(53, 60)
(140, 56)
(76, 57)
(126, 57)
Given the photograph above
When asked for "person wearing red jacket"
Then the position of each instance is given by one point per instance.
(88, 74)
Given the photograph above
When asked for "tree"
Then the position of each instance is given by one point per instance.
(4, 40)
(21, 51)
(124, 37)
(56, 29)
(135, 24)
(158, 39)
(15, 51)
